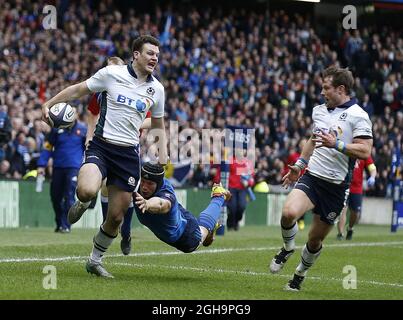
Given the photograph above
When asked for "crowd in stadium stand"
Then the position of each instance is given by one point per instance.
(238, 67)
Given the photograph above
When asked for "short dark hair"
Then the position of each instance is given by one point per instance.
(340, 77)
(115, 61)
(140, 41)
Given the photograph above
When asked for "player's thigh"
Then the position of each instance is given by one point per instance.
(319, 229)
(89, 178)
(296, 204)
(118, 201)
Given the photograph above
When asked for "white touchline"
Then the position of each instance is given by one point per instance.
(168, 253)
(251, 273)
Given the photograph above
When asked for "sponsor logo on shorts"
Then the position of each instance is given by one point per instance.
(131, 181)
(331, 216)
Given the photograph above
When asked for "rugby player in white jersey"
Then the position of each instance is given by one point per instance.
(342, 133)
(128, 93)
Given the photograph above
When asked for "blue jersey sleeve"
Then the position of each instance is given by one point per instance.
(167, 192)
(167, 196)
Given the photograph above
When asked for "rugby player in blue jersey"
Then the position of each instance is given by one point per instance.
(158, 209)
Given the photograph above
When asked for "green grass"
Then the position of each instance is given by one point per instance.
(216, 272)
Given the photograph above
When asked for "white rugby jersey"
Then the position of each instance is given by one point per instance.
(347, 121)
(125, 102)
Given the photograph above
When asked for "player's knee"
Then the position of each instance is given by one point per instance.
(86, 194)
(114, 219)
(289, 213)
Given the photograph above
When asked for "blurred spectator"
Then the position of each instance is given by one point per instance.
(367, 105)
(5, 132)
(5, 169)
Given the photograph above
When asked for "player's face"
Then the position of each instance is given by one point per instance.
(333, 95)
(147, 188)
(147, 59)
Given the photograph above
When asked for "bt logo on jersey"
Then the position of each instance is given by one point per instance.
(140, 104)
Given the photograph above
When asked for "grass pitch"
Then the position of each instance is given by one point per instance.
(234, 267)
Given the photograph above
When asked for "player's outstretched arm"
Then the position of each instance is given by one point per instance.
(152, 205)
(72, 92)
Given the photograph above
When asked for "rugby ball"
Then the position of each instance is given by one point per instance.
(62, 115)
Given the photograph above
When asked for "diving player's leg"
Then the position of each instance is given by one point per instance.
(208, 217)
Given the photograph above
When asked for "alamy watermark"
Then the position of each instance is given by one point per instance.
(350, 20)
(350, 280)
(49, 281)
(49, 21)
(205, 146)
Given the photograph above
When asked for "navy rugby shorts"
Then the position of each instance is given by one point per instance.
(119, 164)
(191, 237)
(328, 198)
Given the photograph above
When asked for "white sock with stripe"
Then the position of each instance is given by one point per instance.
(307, 260)
(289, 236)
(101, 243)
